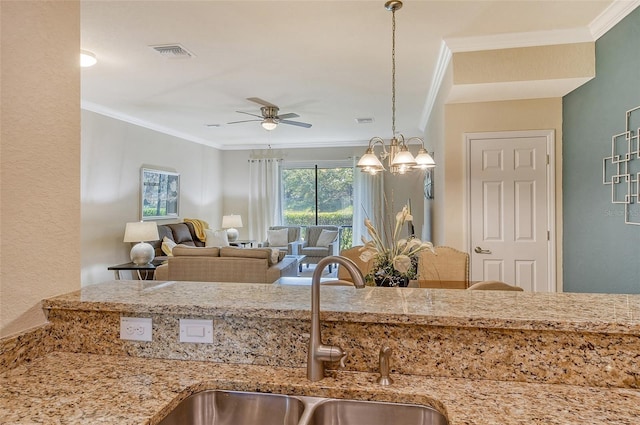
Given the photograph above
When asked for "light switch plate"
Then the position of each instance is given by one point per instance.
(196, 330)
(136, 328)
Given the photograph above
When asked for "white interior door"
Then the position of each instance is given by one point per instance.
(511, 208)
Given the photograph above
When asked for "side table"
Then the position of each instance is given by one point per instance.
(242, 243)
(145, 272)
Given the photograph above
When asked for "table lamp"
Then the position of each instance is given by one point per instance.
(230, 222)
(142, 253)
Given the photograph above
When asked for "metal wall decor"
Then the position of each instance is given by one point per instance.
(621, 170)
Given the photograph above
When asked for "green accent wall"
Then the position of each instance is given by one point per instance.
(601, 253)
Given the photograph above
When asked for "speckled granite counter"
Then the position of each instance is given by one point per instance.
(479, 309)
(576, 339)
(484, 357)
(64, 388)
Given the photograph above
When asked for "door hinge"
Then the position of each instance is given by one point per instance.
(548, 159)
(548, 235)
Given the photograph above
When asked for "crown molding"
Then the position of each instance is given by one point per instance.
(444, 58)
(112, 113)
(609, 17)
(613, 14)
(522, 39)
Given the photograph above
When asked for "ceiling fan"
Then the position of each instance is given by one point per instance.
(270, 118)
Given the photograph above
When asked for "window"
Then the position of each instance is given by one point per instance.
(318, 194)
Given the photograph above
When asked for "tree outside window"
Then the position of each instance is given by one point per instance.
(319, 196)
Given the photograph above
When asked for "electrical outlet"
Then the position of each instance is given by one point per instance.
(195, 330)
(136, 328)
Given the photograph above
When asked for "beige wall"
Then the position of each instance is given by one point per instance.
(562, 61)
(113, 152)
(535, 114)
(39, 158)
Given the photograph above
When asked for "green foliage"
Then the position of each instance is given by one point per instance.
(335, 199)
(335, 189)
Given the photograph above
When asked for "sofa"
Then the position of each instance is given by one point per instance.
(226, 264)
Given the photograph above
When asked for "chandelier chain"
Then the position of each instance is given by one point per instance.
(397, 153)
(393, 73)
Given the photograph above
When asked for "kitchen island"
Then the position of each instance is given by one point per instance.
(478, 357)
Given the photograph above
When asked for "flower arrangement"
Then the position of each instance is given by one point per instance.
(395, 259)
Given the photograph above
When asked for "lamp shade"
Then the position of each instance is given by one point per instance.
(233, 220)
(403, 157)
(141, 231)
(424, 160)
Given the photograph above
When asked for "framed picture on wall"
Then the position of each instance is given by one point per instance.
(159, 194)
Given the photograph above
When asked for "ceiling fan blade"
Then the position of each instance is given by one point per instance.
(237, 122)
(249, 113)
(297, 123)
(261, 102)
(289, 115)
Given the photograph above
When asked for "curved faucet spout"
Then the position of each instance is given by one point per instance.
(318, 353)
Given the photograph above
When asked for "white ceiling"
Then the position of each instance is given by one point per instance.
(327, 61)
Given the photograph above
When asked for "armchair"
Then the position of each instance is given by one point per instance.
(288, 243)
(318, 245)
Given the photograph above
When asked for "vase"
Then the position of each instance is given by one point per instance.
(391, 280)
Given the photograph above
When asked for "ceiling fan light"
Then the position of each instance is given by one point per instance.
(269, 124)
(424, 160)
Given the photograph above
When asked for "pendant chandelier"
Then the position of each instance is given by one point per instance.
(400, 160)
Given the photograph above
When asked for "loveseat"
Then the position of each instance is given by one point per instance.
(226, 264)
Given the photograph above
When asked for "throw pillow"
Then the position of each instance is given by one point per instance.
(167, 246)
(216, 238)
(326, 237)
(278, 237)
(275, 256)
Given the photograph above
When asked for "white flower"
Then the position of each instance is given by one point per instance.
(402, 263)
(391, 254)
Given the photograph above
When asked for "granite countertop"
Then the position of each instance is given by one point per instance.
(604, 313)
(66, 388)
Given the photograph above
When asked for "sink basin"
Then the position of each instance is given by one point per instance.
(236, 408)
(353, 412)
(220, 407)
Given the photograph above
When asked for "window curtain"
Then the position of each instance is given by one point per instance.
(264, 196)
(368, 201)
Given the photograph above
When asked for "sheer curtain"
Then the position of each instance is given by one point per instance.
(264, 196)
(368, 201)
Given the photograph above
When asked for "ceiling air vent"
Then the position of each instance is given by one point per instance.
(364, 120)
(172, 51)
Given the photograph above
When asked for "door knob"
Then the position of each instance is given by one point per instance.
(479, 250)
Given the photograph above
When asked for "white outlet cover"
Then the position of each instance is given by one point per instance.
(196, 330)
(136, 328)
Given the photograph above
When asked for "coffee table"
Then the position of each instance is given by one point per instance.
(298, 259)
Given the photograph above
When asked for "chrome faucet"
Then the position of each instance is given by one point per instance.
(319, 353)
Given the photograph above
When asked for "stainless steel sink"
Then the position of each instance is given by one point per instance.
(351, 412)
(219, 407)
(236, 408)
